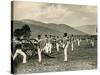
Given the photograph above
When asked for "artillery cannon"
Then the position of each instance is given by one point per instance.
(29, 46)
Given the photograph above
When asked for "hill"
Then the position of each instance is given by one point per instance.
(89, 29)
(59, 27)
(46, 28)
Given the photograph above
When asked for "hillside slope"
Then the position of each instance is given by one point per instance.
(89, 29)
(46, 28)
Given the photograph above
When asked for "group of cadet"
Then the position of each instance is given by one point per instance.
(46, 43)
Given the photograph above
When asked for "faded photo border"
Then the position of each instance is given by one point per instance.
(6, 26)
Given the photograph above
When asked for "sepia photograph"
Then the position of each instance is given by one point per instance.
(53, 37)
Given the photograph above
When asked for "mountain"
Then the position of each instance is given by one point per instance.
(46, 28)
(59, 27)
(35, 30)
(89, 29)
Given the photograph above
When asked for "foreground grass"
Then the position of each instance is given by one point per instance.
(82, 58)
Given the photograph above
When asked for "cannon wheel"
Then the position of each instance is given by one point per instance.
(34, 51)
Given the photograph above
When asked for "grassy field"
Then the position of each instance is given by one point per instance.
(82, 58)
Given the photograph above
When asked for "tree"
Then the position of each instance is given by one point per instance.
(26, 31)
(18, 33)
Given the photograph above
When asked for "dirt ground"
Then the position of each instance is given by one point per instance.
(82, 58)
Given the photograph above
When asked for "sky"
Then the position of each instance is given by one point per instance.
(73, 15)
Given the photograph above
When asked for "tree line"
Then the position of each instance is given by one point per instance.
(25, 31)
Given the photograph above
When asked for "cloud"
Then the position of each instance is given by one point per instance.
(55, 13)
(90, 9)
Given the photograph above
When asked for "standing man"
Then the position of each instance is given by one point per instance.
(79, 41)
(42, 46)
(50, 43)
(72, 42)
(46, 44)
(18, 49)
(65, 46)
(57, 43)
(39, 48)
(92, 41)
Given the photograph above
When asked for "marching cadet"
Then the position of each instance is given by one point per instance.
(92, 41)
(18, 48)
(46, 41)
(66, 43)
(54, 41)
(72, 42)
(79, 41)
(39, 48)
(50, 43)
(57, 43)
